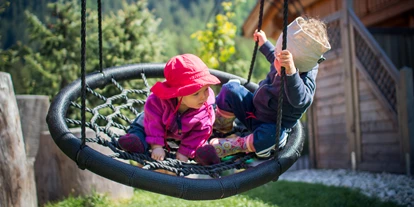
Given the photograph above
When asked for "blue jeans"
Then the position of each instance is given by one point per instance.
(235, 98)
(137, 128)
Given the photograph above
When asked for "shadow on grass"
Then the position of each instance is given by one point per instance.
(292, 194)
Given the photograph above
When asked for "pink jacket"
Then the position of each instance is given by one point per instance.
(196, 124)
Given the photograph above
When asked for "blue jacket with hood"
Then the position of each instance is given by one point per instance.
(298, 96)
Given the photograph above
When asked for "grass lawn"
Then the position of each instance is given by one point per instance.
(281, 193)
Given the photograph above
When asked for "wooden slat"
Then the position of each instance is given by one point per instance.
(365, 95)
(332, 129)
(330, 70)
(334, 80)
(377, 115)
(378, 126)
(332, 110)
(327, 139)
(337, 99)
(329, 120)
(363, 83)
(380, 138)
(330, 91)
(381, 152)
(333, 164)
(338, 138)
(370, 105)
(381, 167)
(333, 150)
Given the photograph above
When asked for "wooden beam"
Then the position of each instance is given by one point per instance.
(405, 101)
(388, 13)
(312, 135)
(346, 31)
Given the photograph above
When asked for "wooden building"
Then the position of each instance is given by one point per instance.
(362, 117)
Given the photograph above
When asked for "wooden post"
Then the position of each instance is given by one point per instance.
(406, 116)
(312, 133)
(17, 188)
(33, 111)
(349, 80)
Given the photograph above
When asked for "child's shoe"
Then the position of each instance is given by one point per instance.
(224, 121)
(206, 155)
(232, 145)
(131, 143)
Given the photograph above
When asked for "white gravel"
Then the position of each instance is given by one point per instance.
(385, 186)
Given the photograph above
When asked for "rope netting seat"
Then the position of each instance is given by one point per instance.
(111, 166)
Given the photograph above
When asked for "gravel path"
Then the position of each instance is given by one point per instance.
(385, 186)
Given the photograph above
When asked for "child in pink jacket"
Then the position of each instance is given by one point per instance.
(181, 108)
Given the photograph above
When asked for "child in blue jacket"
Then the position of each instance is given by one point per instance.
(307, 41)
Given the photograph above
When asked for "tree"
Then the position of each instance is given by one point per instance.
(217, 43)
(53, 60)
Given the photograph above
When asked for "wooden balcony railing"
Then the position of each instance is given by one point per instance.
(370, 58)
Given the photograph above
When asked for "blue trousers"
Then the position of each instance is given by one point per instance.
(137, 128)
(235, 98)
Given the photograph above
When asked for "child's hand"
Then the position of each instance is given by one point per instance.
(259, 36)
(181, 157)
(158, 153)
(285, 59)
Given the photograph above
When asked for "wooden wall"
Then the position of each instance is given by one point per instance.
(331, 145)
(379, 148)
(380, 145)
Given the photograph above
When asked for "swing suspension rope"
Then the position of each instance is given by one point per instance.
(237, 161)
(282, 76)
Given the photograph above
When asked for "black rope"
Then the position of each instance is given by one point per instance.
(83, 61)
(100, 34)
(282, 77)
(256, 45)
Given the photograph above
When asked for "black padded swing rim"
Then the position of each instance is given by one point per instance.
(180, 187)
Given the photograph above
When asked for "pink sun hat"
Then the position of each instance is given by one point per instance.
(184, 75)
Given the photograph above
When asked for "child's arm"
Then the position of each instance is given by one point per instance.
(265, 47)
(299, 88)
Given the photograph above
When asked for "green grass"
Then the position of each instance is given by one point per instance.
(281, 193)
